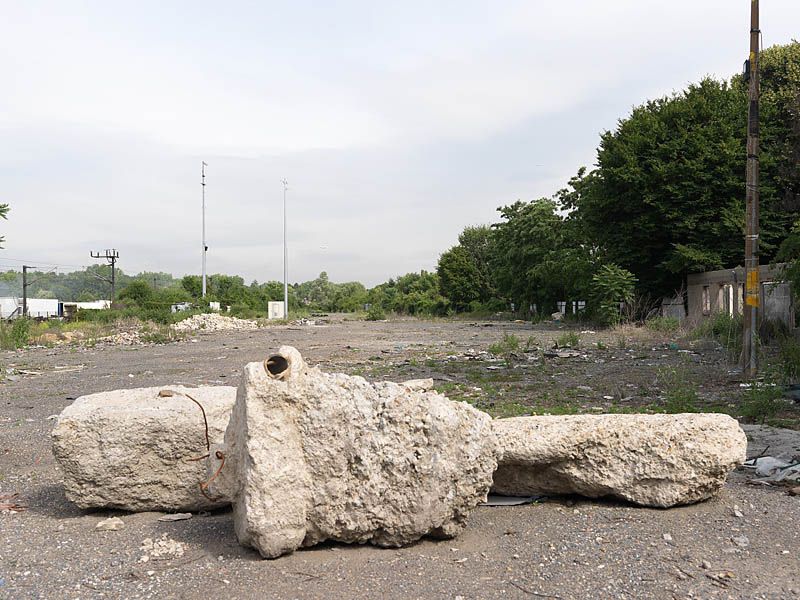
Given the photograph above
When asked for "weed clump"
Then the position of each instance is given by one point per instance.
(505, 347)
(569, 339)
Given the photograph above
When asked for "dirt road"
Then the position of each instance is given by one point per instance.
(560, 548)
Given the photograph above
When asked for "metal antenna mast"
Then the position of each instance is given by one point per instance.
(285, 256)
(111, 256)
(205, 248)
(751, 251)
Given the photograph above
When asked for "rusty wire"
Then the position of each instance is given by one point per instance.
(204, 485)
(169, 394)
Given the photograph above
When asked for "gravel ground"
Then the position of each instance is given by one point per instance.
(743, 544)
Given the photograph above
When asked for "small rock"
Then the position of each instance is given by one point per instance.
(741, 541)
(176, 517)
(795, 491)
(705, 564)
(110, 524)
(667, 537)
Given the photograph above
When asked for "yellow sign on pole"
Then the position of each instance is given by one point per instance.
(751, 289)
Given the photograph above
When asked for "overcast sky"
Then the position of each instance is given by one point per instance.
(396, 123)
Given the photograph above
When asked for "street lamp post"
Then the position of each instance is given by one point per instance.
(285, 256)
(205, 248)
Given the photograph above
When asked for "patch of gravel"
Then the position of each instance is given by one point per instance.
(214, 322)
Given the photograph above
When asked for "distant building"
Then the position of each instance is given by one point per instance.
(723, 291)
(38, 308)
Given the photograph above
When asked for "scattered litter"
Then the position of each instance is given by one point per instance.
(771, 469)
(110, 524)
(561, 354)
(175, 517)
(497, 500)
(9, 504)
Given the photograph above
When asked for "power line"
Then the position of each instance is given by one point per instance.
(111, 256)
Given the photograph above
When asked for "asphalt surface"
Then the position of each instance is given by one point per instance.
(743, 544)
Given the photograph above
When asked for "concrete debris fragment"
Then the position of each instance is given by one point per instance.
(175, 517)
(214, 322)
(162, 548)
(138, 449)
(652, 460)
(311, 456)
(562, 353)
(110, 524)
(421, 385)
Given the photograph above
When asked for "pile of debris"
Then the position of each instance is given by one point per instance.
(306, 456)
(123, 338)
(214, 322)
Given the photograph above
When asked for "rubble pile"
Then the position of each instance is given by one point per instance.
(123, 338)
(306, 456)
(214, 322)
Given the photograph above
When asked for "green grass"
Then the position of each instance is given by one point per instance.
(570, 339)
(762, 402)
(663, 324)
(509, 344)
(725, 329)
(680, 394)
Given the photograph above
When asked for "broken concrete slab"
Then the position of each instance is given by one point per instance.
(138, 449)
(311, 456)
(652, 460)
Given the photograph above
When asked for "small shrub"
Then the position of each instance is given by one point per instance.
(762, 401)
(506, 346)
(570, 339)
(611, 285)
(663, 324)
(376, 313)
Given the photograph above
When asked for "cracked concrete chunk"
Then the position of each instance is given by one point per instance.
(132, 449)
(652, 460)
(312, 456)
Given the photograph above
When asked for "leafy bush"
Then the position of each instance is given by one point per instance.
(611, 285)
(376, 313)
(15, 335)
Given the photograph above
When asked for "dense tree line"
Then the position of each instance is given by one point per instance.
(666, 198)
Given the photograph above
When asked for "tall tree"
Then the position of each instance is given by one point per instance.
(667, 197)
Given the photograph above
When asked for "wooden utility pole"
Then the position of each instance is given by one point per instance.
(751, 258)
(25, 289)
